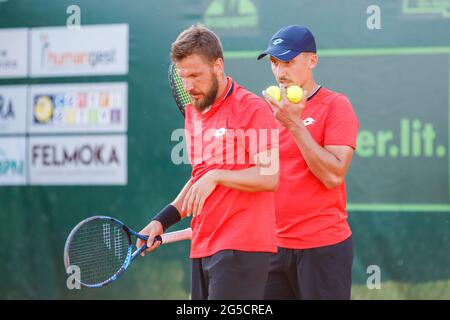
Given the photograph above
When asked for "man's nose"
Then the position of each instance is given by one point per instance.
(188, 86)
(279, 71)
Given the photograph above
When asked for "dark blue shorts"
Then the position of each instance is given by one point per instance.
(230, 275)
(311, 274)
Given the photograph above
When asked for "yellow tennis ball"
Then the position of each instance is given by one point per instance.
(294, 94)
(274, 92)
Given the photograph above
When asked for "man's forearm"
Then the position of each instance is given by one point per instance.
(322, 163)
(250, 179)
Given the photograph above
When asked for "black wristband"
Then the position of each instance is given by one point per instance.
(168, 216)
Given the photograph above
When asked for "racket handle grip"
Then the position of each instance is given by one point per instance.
(185, 234)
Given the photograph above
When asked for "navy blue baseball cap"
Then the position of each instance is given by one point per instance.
(290, 41)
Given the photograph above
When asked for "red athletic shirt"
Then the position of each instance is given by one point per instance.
(231, 219)
(309, 215)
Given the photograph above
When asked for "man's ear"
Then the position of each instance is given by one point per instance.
(313, 59)
(219, 66)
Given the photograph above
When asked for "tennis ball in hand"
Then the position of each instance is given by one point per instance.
(274, 92)
(294, 94)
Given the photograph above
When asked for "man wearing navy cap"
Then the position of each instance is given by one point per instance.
(317, 141)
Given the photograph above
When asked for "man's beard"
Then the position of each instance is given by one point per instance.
(203, 104)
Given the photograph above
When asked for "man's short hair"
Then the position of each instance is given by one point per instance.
(197, 39)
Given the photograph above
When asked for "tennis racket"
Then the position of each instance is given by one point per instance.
(182, 98)
(102, 248)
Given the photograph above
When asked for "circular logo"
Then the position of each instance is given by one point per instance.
(43, 109)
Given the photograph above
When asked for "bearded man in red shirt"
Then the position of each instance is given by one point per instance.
(230, 192)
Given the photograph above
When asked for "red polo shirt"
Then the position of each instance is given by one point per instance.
(309, 215)
(236, 127)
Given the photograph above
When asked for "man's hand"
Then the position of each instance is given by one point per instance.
(287, 113)
(153, 229)
(198, 193)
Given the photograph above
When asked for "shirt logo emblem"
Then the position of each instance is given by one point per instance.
(220, 132)
(308, 121)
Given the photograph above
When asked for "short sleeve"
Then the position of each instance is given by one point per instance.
(257, 120)
(341, 126)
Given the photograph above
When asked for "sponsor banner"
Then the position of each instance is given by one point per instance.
(90, 50)
(423, 9)
(12, 161)
(13, 53)
(78, 160)
(226, 17)
(78, 108)
(13, 107)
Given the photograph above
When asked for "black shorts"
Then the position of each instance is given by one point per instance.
(230, 275)
(323, 273)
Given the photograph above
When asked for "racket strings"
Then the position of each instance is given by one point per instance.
(181, 94)
(99, 248)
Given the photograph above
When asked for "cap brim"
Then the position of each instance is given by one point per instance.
(279, 53)
(262, 55)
